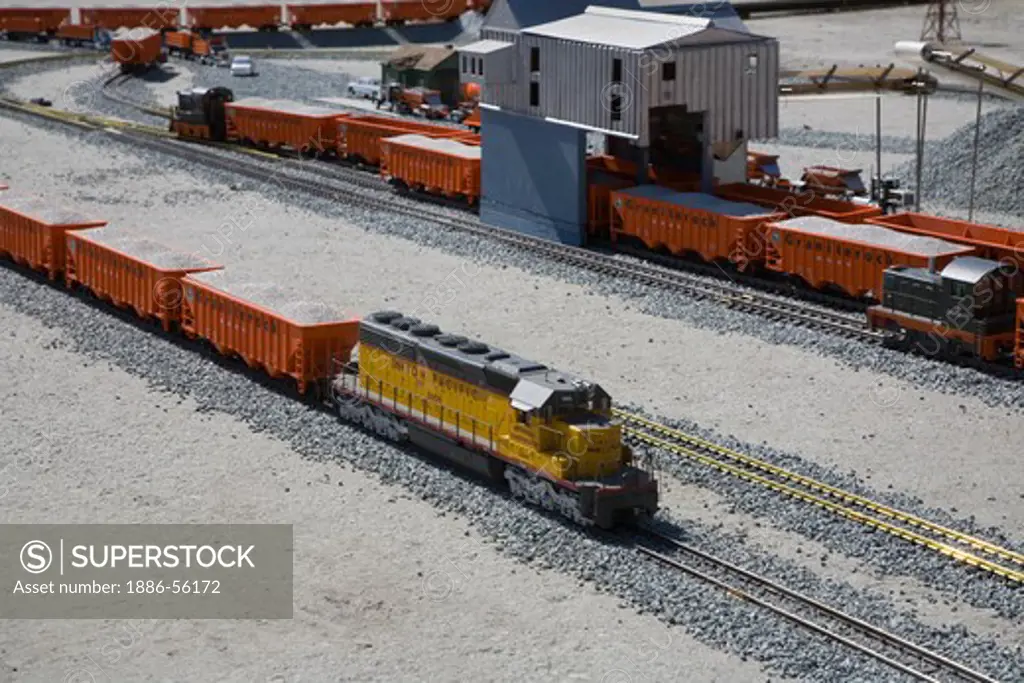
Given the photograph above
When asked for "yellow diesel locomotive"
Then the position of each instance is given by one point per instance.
(547, 435)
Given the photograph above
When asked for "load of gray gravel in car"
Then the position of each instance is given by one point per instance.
(713, 616)
(42, 209)
(697, 200)
(452, 147)
(272, 298)
(875, 235)
(999, 186)
(145, 249)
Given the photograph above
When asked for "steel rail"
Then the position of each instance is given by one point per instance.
(834, 617)
(710, 458)
(821, 487)
(848, 325)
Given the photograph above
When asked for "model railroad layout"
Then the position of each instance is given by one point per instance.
(549, 438)
(937, 286)
(302, 345)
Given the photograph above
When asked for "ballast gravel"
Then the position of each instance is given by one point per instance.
(711, 616)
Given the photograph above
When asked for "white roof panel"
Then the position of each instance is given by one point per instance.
(628, 29)
(485, 47)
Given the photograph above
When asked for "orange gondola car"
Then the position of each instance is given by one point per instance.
(131, 271)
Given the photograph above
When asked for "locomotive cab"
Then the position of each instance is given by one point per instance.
(966, 309)
(570, 420)
(200, 113)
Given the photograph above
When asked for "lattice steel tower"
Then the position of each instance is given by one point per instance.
(941, 23)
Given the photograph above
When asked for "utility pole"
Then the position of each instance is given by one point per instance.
(941, 23)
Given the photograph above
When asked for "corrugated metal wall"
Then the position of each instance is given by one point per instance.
(533, 176)
(575, 84)
(719, 79)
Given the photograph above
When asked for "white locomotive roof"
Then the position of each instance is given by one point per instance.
(452, 147)
(145, 249)
(697, 200)
(272, 298)
(874, 235)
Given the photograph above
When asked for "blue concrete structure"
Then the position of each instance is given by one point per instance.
(533, 177)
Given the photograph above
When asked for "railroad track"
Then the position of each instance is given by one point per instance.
(378, 195)
(806, 612)
(109, 91)
(960, 546)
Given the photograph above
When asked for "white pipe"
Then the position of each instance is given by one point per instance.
(914, 48)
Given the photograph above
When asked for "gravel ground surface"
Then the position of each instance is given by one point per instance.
(867, 38)
(13, 54)
(1000, 173)
(955, 433)
(427, 600)
(881, 414)
(200, 392)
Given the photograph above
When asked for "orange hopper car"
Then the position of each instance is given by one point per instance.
(690, 222)
(281, 123)
(76, 34)
(131, 272)
(137, 53)
(263, 17)
(305, 17)
(852, 258)
(359, 137)
(34, 20)
(157, 18)
(32, 231)
(401, 11)
(799, 202)
(992, 242)
(1019, 353)
(434, 165)
(267, 328)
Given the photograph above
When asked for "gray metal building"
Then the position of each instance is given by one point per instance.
(671, 89)
(607, 69)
